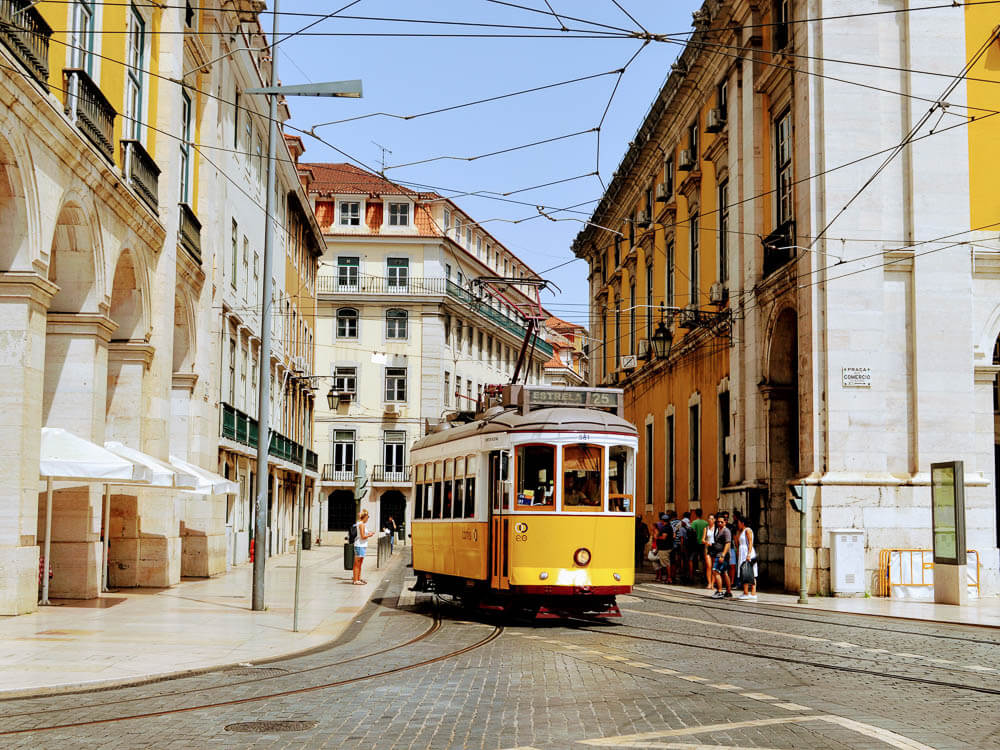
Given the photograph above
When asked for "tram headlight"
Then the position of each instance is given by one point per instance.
(543, 576)
(616, 576)
(582, 557)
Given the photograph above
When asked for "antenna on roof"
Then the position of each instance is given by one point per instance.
(385, 150)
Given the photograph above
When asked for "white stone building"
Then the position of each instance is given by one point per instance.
(401, 330)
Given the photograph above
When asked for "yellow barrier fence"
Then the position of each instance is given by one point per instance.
(915, 567)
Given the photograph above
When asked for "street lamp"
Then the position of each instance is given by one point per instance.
(663, 339)
(332, 398)
(273, 91)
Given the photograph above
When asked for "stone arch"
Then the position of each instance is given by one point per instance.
(76, 260)
(15, 239)
(185, 333)
(129, 300)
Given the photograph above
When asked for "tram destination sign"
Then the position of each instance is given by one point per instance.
(598, 398)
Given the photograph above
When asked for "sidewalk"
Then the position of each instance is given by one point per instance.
(138, 634)
(983, 612)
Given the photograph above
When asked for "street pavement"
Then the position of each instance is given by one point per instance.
(679, 670)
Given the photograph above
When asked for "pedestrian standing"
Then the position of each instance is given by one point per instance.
(733, 531)
(746, 560)
(707, 540)
(696, 538)
(678, 532)
(361, 546)
(721, 545)
(390, 526)
(663, 541)
(641, 539)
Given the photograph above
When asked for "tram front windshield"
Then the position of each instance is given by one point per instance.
(582, 477)
(620, 492)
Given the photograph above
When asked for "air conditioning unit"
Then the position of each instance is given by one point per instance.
(662, 196)
(391, 410)
(629, 362)
(643, 220)
(717, 294)
(715, 121)
(644, 350)
(688, 161)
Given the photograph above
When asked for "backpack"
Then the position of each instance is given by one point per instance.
(352, 534)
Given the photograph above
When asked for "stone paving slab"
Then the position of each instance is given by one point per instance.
(141, 634)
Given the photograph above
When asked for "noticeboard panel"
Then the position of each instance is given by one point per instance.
(948, 512)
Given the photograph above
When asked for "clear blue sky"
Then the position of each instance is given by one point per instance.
(412, 75)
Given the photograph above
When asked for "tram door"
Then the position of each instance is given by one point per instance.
(499, 531)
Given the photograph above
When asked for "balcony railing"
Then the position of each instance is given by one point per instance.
(330, 284)
(24, 32)
(190, 232)
(90, 110)
(141, 172)
(338, 473)
(478, 306)
(391, 473)
(243, 429)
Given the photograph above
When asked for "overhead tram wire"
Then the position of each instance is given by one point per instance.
(493, 153)
(563, 15)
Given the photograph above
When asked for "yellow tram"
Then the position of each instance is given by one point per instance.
(529, 507)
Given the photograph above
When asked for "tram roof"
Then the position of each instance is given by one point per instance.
(562, 419)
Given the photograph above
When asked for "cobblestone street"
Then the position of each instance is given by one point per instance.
(677, 671)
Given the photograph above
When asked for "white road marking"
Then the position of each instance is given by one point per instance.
(759, 696)
(978, 668)
(725, 686)
(691, 678)
(626, 599)
(731, 627)
(572, 646)
(792, 706)
(534, 637)
(662, 670)
(612, 657)
(649, 739)
(877, 650)
(906, 655)
(638, 664)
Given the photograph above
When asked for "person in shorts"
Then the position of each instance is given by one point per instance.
(721, 543)
(663, 542)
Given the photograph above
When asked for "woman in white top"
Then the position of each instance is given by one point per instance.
(361, 546)
(708, 540)
(746, 552)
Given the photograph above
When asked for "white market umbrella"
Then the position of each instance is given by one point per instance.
(65, 456)
(209, 483)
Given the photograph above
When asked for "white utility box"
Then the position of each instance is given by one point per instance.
(847, 561)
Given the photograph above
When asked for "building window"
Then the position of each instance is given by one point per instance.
(256, 277)
(347, 272)
(782, 18)
(668, 177)
(447, 389)
(135, 75)
(350, 213)
(694, 452)
(724, 232)
(723, 437)
(669, 458)
(395, 384)
(398, 272)
(604, 340)
(447, 222)
(618, 332)
(447, 329)
(649, 303)
(489, 349)
(395, 451)
(631, 319)
(722, 98)
(783, 167)
(668, 292)
(82, 40)
(479, 246)
(185, 148)
(468, 235)
(236, 246)
(479, 346)
(618, 250)
(345, 381)
(343, 450)
(347, 323)
(395, 324)
(693, 140)
(246, 266)
(232, 371)
(649, 466)
(631, 231)
(693, 222)
(399, 214)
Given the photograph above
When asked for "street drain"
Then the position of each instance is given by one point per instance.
(263, 727)
(258, 671)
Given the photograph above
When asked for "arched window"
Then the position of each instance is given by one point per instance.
(347, 323)
(395, 324)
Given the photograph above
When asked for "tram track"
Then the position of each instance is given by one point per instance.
(434, 628)
(701, 602)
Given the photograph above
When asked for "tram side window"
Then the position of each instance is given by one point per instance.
(583, 479)
(418, 505)
(470, 497)
(620, 473)
(535, 466)
(459, 504)
(437, 499)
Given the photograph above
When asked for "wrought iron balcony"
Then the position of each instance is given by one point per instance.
(243, 429)
(778, 248)
(391, 473)
(338, 473)
(331, 284)
(90, 110)
(141, 172)
(24, 32)
(189, 232)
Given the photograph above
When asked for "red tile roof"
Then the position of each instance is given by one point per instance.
(349, 179)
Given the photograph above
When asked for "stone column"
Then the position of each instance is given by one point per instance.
(24, 300)
(75, 398)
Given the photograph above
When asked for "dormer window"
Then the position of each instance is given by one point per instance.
(399, 214)
(350, 213)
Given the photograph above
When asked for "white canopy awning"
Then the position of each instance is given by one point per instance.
(209, 483)
(66, 456)
(163, 474)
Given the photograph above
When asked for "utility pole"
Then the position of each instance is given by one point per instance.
(264, 401)
(351, 89)
(302, 519)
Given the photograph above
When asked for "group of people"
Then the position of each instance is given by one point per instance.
(689, 548)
